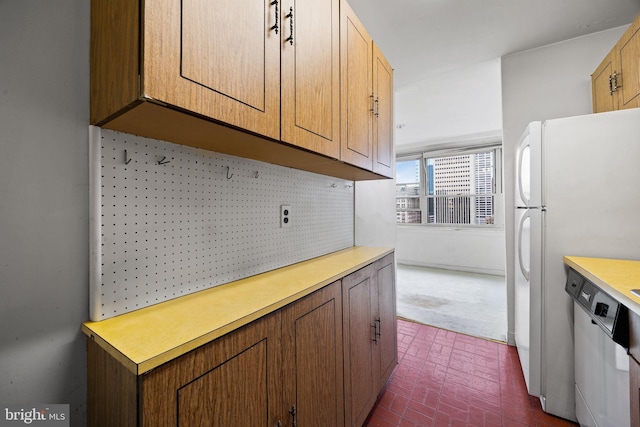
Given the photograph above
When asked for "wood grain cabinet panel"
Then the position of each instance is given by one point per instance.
(311, 75)
(312, 369)
(221, 62)
(634, 368)
(252, 78)
(616, 81)
(628, 56)
(370, 336)
(231, 381)
(601, 86)
(359, 335)
(367, 98)
(385, 283)
(383, 154)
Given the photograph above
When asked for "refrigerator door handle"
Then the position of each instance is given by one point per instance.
(525, 272)
(524, 148)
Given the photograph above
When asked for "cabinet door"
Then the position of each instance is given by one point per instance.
(312, 360)
(219, 59)
(387, 340)
(231, 381)
(634, 391)
(358, 101)
(628, 52)
(383, 157)
(360, 377)
(311, 75)
(601, 89)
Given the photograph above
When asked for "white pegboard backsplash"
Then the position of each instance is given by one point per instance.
(170, 220)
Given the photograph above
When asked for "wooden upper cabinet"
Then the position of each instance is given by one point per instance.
(601, 86)
(357, 90)
(310, 75)
(383, 154)
(221, 62)
(259, 79)
(628, 54)
(616, 81)
(367, 99)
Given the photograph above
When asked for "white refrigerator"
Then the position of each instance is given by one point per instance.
(577, 193)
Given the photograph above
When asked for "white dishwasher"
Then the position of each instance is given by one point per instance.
(601, 336)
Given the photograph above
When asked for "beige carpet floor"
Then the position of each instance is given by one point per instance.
(473, 304)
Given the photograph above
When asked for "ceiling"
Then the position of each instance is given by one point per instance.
(426, 37)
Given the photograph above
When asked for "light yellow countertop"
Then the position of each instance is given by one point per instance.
(616, 277)
(144, 339)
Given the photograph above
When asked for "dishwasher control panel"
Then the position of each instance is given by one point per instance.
(603, 309)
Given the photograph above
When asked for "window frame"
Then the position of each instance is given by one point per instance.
(498, 193)
(420, 197)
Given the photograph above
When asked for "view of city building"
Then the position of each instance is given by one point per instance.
(458, 190)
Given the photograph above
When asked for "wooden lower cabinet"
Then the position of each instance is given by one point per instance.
(370, 338)
(634, 367)
(231, 381)
(319, 361)
(312, 368)
(385, 283)
(634, 391)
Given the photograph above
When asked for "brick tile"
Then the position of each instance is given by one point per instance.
(450, 379)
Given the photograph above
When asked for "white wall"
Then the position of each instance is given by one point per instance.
(451, 109)
(466, 101)
(463, 249)
(44, 258)
(375, 213)
(545, 83)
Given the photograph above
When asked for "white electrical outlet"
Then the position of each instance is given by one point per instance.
(285, 216)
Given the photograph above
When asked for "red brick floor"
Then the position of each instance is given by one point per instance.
(445, 378)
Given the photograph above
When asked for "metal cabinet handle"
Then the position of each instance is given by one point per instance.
(372, 99)
(290, 15)
(294, 416)
(276, 26)
(610, 85)
(377, 113)
(614, 85)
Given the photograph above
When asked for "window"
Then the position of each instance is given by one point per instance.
(408, 192)
(450, 188)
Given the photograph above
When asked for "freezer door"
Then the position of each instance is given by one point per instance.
(528, 167)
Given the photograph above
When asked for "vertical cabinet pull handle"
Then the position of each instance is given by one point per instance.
(377, 107)
(610, 85)
(372, 98)
(614, 86)
(279, 424)
(276, 25)
(294, 416)
(290, 15)
(376, 330)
